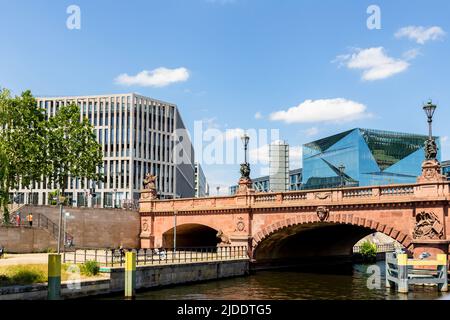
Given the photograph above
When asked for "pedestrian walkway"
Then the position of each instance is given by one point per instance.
(18, 259)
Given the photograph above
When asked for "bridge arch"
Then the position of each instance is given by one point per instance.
(191, 235)
(306, 236)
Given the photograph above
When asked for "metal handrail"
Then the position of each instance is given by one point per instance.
(154, 256)
(381, 248)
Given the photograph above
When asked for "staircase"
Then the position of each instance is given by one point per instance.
(40, 220)
(51, 227)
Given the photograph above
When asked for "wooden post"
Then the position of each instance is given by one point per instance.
(402, 260)
(54, 277)
(442, 259)
(130, 275)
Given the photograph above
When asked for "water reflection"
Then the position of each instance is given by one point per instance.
(337, 284)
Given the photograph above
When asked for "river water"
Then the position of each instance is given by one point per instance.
(351, 283)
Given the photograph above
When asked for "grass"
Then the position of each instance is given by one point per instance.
(38, 273)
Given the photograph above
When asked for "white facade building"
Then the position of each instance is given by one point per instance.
(137, 137)
(201, 185)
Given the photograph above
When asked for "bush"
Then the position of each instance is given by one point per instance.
(90, 268)
(368, 251)
(22, 275)
(4, 280)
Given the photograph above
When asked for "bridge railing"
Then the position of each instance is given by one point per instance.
(155, 256)
(381, 248)
(310, 197)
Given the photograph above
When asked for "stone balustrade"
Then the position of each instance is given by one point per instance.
(375, 194)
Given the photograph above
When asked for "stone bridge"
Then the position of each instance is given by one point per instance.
(305, 224)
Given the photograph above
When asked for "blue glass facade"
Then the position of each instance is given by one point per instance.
(446, 169)
(369, 157)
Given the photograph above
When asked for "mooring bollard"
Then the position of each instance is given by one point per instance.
(54, 277)
(442, 268)
(130, 275)
(402, 273)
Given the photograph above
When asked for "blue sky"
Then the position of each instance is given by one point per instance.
(239, 64)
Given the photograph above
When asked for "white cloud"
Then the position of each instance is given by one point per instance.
(232, 134)
(411, 54)
(374, 62)
(258, 115)
(260, 155)
(322, 110)
(159, 77)
(295, 157)
(420, 34)
(311, 131)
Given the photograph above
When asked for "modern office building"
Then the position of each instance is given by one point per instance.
(446, 169)
(137, 137)
(363, 157)
(201, 185)
(262, 184)
(279, 166)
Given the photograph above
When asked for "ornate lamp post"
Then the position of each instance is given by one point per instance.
(245, 140)
(245, 167)
(429, 109)
(430, 144)
(245, 183)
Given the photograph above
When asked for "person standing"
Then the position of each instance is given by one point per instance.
(30, 219)
(18, 219)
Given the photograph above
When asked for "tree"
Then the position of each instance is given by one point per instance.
(22, 137)
(72, 148)
(32, 147)
(368, 251)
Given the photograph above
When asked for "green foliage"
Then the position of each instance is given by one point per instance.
(32, 147)
(21, 139)
(73, 150)
(368, 251)
(90, 268)
(22, 275)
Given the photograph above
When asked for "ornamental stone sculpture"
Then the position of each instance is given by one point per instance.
(149, 187)
(431, 149)
(428, 227)
(224, 239)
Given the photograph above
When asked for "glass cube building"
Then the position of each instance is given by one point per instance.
(446, 169)
(363, 157)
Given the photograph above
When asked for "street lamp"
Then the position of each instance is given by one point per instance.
(60, 202)
(341, 173)
(175, 233)
(115, 199)
(245, 140)
(429, 109)
(431, 148)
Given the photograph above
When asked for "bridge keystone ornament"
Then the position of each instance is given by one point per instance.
(323, 213)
